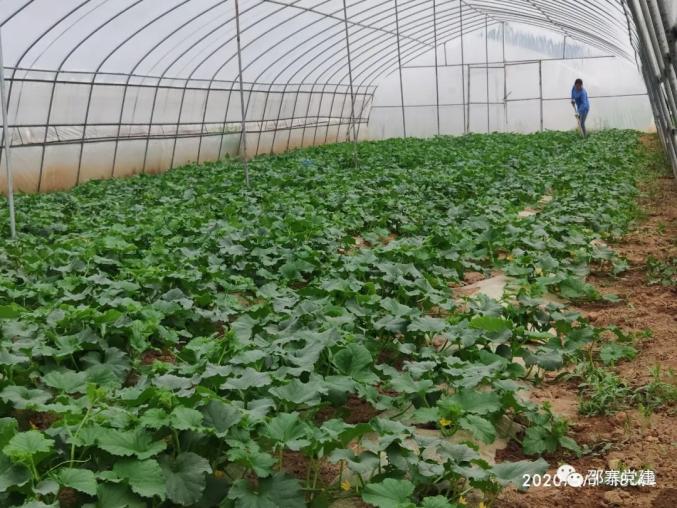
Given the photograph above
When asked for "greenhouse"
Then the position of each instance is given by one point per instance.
(346, 253)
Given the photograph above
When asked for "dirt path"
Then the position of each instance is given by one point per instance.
(630, 438)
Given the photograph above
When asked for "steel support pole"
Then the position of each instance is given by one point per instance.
(651, 77)
(486, 63)
(664, 7)
(350, 77)
(399, 67)
(437, 81)
(670, 79)
(660, 50)
(5, 131)
(505, 80)
(670, 31)
(243, 133)
(465, 114)
(540, 89)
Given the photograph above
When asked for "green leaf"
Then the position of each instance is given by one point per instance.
(82, 480)
(426, 324)
(570, 444)
(25, 398)
(220, 416)
(66, 381)
(184, 418)
(436, 502)
(249, 378)
(300, 393)
(125, 443)
(548, 359)
(46, 487)
(480, 427)
(25, 445)
(354, 361)
(513, 472)
(476, 402)
(389, 493)
(278, 491)
(492, 324)
(8, 427)
(612, 352)
(11, 311)
(12, 475)
(538, 440)
(117, 496)
(287, 430)
(243, 327)
(186, 477)
(145, 477)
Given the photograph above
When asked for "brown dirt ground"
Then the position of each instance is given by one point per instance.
(627, 438)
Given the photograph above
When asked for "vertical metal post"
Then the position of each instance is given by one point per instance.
(437, 81)
(564, 48)
(243, 133)
(399, 67)
(540, 89)
(505, 79)
(5, 130)
(486, 62)
(465, 115)
(350, 77)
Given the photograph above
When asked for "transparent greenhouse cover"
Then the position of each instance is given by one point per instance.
(106, 88)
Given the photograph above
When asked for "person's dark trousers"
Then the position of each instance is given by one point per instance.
(581, 118)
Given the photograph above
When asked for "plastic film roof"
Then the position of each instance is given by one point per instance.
(283, 41)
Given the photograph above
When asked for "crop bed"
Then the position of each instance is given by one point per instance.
(181, 340)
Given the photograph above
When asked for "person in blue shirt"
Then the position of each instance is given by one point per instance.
(579, 99)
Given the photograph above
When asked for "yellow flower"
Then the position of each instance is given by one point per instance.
(482, 505)
(461, 500)
(539, 271)
(345, 485)
(509, 257)
(444, 422)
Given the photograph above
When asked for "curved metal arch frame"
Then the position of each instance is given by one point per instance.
(365, 37)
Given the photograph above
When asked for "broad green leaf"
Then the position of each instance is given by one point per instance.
(66, 381)
(389, 493)
(118, 496)
(476, 402)
(436, 502)
(184, 418)
(492, 324)
(125, 443)
(300, 393)
(8, 427)
(82, 480)
(480, 427)
(25, 445)
(145, 477)
(612, 352)
(354, 361)
(287, 430)
(12, 475)
(249, 378)
(25, 398)
(278, 491)
(185, 477)
(220, 416)
(11, 311)
(512, 472)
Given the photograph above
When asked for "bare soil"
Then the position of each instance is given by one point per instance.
(628, 439)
